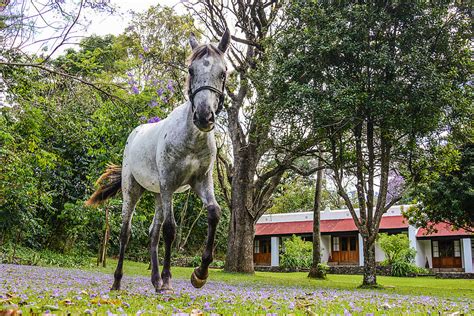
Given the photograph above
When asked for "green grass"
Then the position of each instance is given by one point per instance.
(37, 290)
(445, 288)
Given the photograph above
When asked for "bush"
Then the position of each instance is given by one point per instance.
(298, 253)
(217, 264)
(399, 255)
(22, 255)
(196, 261)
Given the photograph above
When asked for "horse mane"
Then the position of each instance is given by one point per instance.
(202, 50)
(198, 53)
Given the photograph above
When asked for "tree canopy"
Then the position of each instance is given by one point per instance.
(378, 84)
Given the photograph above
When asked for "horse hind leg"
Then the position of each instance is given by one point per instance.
(154, 242)
(131, 191)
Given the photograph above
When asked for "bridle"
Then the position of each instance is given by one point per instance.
(220, 93)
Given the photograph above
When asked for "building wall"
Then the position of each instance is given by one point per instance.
(422, 246)
(379, 254)
(423, 252)
(325, 248)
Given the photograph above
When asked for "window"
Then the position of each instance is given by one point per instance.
(344, 243)
(435, 249)
(353, 243)
(335, 243)
(256, 246)
(457, 248)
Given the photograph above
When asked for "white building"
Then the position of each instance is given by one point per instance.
(341, 243)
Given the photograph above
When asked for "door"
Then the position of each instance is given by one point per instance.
(345, 250)
(446, 253)
(262, 252)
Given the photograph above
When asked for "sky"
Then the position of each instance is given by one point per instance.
(98, 23)
(102, 25)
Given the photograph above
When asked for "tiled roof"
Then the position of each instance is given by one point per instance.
(327, 226)
(442, 230)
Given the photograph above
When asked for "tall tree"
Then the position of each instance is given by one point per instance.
(380, 82)
(315, 271)
(262, 146)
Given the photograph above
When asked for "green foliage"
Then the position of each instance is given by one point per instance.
(16, 254)
(399, 256)
(196, 261)
(293, 196)
(401, 268)
(218, 264)
(297, 254)
(58, 135)
(396, 247)
(446, 192)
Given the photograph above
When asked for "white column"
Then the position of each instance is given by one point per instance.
(275, 247)
(467, 254)
(413, 244)
(361, 250)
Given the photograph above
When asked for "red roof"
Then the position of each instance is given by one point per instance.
(442, 230)
(327, 226)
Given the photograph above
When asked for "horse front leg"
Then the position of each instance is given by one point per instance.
(154, 242)
(169, 234)
(205, 190)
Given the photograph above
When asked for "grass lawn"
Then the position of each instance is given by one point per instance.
(446, 288)
(50, 290)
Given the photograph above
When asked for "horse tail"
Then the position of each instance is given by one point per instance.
(110, 183)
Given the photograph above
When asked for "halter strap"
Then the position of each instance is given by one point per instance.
(220, 93)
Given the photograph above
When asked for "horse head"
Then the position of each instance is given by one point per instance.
(206, 82)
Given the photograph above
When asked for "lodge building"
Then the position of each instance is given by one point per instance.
(341, 244)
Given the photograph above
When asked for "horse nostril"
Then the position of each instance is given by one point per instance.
(211, 118)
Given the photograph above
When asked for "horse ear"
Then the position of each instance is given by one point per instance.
(225, 41)
(192, 41)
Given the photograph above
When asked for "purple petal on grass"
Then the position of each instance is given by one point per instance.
(135, 90)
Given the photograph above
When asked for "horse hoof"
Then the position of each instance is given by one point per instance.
(115, 288)
(197, 282)
(166, 291)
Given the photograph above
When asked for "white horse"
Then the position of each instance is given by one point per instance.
(171, 156)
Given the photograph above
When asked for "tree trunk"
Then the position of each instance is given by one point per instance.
(106, 238)
(101, 259)
(370, 278)
(239, 256)
(315, 272)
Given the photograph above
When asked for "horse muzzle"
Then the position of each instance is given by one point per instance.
(205, 124)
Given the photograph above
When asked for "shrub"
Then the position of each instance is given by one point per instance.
(21, 255)
(399, 255)
(298, 253)
(217, 264)
(196, 261)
